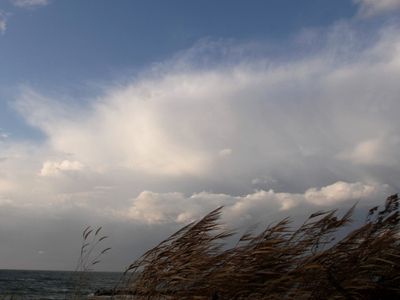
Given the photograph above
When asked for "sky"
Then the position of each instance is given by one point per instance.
(142, 116)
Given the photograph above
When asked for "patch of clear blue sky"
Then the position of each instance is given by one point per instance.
(68, 43)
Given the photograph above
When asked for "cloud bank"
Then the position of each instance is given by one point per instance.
(176, 207)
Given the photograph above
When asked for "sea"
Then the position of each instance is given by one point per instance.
(27, 284)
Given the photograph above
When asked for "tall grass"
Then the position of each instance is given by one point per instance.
(279, 262)
(91, 252)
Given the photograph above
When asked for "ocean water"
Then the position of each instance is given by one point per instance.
(23, 284)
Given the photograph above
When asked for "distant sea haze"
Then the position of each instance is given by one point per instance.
(24, 284)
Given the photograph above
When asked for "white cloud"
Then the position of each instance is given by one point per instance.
(307, 115)
(377, 151)
(342, 191)
(122, 131)
(29, 3)
(51, 168)
(3, 22)
(153, 207)
(369, 8)
(366, 152)
(326, 119)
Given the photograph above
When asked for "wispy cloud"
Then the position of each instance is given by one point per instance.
(30, 3)
(3, 22)
(369, 8)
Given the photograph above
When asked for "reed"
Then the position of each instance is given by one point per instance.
(279, 262)
(91, 252)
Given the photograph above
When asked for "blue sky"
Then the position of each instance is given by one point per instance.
(144, 115)
(68, 45)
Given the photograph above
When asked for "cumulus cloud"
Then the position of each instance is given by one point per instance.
(307, 115)
(29, 3)
(124, 130)
(342, 191)
(369, 8)
(176, 207)
(51, 168)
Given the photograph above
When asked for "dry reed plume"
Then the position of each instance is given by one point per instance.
(90, 255)
(278, 263)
